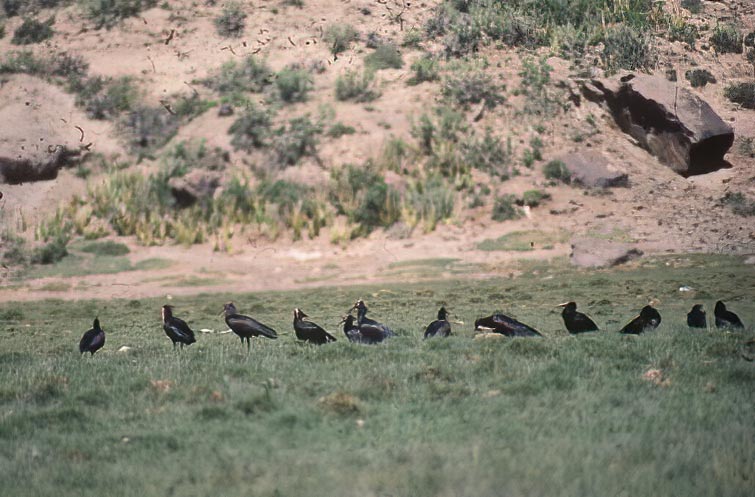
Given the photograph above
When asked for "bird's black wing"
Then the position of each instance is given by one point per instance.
(510, 326)
(438, 328)
(178, 330)
(374, 333)
(86, 340)
(696, 320)
(244, 325)
(634, 327)
(309, 331)
(581, 323)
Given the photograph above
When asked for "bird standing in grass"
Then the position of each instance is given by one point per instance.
(370, 330)
(576, 322)
(505, 325)
(93, 339)
(440, 327)
(726, 318)
(246, 327)
(649, 319)
(176, 329)
(696, 317)
(309, 331)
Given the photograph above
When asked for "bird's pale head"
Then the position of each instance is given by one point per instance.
(229, 308)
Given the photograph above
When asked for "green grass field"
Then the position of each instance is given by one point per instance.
(445, 417)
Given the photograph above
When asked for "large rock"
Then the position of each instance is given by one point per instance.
(196, 186)
(37, 164)
(594, 252)
(593, 170)
(670, 121)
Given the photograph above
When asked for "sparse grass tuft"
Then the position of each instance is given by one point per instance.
(472, 86)
(726, 39)
(699, 77)
(740, 204)
(424, 69)
(250, 75)
(627, 48)
(557, 170)
(297, 140)
(385, 56)
(742, 94)
(251, 129)
(339, 37)
(293, 84)
(107, 13)
(32, 31)
(505, 209)
(357, 87)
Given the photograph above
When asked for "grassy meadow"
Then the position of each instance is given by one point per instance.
(445, 417)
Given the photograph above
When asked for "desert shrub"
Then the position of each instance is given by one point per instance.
(13, 8)
(13, 249)
(340, 129)
(250, 75)
(488, 154)
(444, 124)
(504, 208)
(251, 129)
(149, 128)
(32, 31)
(2, 29)
(385, 56)
(694, 6)
(296, 206)
(51, 252)
(107, 13)
(293, 84)
(699, 77)
(294, 3)
(726, 39)
(742, 94)
(464, 36)
(373, 40)
(626, 48)
(750, 39)
(363, 196)
(357, 87)
(67, 66)
(231, 21)
(295, 141)
(557, 170)
(533, 198)
(679, 30)
(193, 154)
(750, 56)
(424, 69)
(739, 204)
(24, 62)
(412, 38)
(105, 98)
(192, 106)
(432, 201)
(746, 146)
(339, 37)
(535, 84)
(472, 86)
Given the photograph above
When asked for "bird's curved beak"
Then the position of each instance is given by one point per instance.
(563, 305)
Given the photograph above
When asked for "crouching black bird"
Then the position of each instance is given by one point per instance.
(440, 327)
(696, 317)
(176, 329)
(350, 329)
(93, 339)
(576, 322)
(370, 331)
(649, 319)
(725, 318)
(510, 327)
(309, 331)
(246, 327)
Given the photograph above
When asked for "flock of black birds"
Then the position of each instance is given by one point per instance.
(368, 331)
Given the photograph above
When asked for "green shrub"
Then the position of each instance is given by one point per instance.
(340, 129)
(149, 128)
(535, 84)
(557, 170)
(357, 87)
(250, 75)
(742, 94)
(293, 85)
(471, 87)
(297, 140)
(699, 77)
(51, 252)
(13, 248)
(425, 69)
(464, 36)
(739, 204)
(339, 37)
(250, 130)
(105, 98)
(193, 154)
(192, 106)
(231, 22)
(726, 39)
(412, 38)
(488, 154)
(294, 3)
(385, 56)
(504, 208)
(626, 48)
(432, 201)
(107, 13)
(362, 194)
(679, 30)
(32, 31)
(533, 198)
(694, 6)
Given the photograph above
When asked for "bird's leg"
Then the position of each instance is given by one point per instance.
(248, 344)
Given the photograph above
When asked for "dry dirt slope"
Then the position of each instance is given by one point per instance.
(661, 211)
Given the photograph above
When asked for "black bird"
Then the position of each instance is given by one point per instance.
(510, 327)
(726, 319)
(576, 322)
(350, 329)
(649, 319)
(309, 331)
(370, 330)
(93, 339)
(696, 317)
(246, 327)
(176, 329)
(440, 327)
